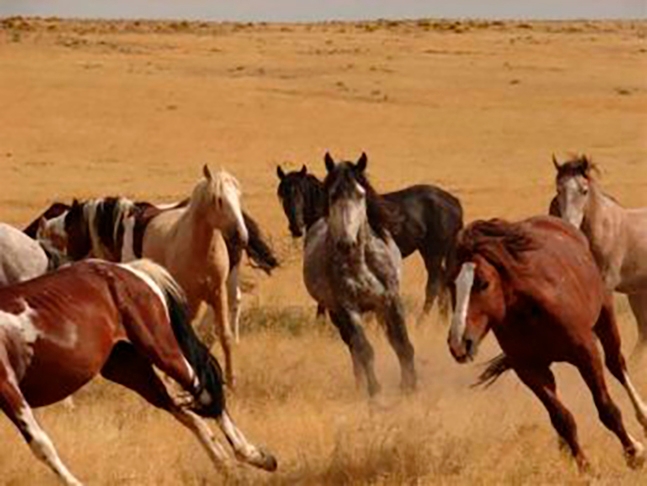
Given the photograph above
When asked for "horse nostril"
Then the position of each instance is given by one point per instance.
(469, 346)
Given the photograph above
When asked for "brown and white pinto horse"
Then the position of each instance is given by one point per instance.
(536, 286)
(123, 321)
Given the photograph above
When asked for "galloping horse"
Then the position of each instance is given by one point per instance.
(617, 235)
(188, 240)
(60, 330)
(428, 220)
(352, 266)
(536, 286)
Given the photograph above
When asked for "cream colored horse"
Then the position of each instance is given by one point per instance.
(189, 242)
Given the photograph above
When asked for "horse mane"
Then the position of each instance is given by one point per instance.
(578, 165)
(104, 218)
(500, 242)
(383, 216)
(212, 185)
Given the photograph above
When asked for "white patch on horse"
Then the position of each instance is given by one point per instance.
(53, 232)
(347, 215)
(464, 283)
(90, 216)
(151, 283)
(42, 446)
(128, 246)
(21, 323)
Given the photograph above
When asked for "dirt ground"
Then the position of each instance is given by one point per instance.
(135, 109)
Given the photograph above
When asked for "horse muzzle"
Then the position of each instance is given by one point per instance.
(465, 351)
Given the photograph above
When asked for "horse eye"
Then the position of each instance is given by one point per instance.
(480, 285)
(584, 190)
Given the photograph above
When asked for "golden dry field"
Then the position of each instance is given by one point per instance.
(91, 108)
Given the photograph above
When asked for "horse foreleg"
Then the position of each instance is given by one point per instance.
(396, 330)
(351, 332)
(638, 304)
(16, 408)
(128, 368)
(607, 331)
(434, 267)
(234, 297)
(542, 382)
(243, 449)
(590, 367)
(218, 302)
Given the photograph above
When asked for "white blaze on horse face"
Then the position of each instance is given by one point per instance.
(464, 283)
(22, 323)
(572, 195)
(347, 216)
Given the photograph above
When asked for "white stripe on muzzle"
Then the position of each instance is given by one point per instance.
(464, 283)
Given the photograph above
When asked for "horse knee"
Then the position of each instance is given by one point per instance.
(609, 413)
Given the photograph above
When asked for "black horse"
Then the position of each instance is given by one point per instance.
(428, 220)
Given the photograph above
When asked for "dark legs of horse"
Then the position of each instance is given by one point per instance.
(14, 405)
(129, 368)
(607, 331)
(361, 351)
(321, 312)
(396, 330)
(638, 303)
(434, 266)
(542, 382)
(591, 369)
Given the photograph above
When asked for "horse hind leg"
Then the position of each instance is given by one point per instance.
(234, 297)
(16, 408)
(218, 302)
(434, 267)
(396, 331)
(590, 367)
(360, 349)
(542, 383)
(128, 368)
(638, 304)
(607, 331)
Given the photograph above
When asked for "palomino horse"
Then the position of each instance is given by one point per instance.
(352, 266)
(428, 220)
(536, 286)
(60, 330)
(115, 227)
(617, 235)
(22, 258)
(188, 240)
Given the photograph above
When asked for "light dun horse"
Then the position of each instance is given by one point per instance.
(60, 330)
(536, 286)
(617, 235)
(352, 266)
(187, 240)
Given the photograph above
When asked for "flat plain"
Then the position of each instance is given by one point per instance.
(96, 108)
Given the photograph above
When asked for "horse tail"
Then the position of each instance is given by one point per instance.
(495, 368)
(258, 250)
(209, 395)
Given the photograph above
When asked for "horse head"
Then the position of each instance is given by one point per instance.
(293, 192)
(217, 197)
(573, 183)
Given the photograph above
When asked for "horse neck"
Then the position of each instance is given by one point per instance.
(313, 202)
(603, 218)
(201, 230)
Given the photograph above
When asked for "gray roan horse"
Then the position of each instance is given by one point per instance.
(617, 235)
(352, 266)
(22, 258)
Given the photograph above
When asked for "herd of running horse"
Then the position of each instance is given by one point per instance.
(112, 286)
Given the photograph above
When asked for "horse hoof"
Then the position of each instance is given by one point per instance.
(636, 458)
(267, 461)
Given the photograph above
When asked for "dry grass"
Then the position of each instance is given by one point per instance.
(134, 108)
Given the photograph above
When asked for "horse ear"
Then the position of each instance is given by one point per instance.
(362, 162)
(75, 203)
(556, 164)
(42, 226)
(206, 172)
(304, 170)
(330, 163)
(280, 173)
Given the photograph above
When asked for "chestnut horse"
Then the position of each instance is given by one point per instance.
(617, 235)
(122, 321)
(536, 286)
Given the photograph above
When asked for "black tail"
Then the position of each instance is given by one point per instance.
(495, 368)
(209, 397)
(258, 251)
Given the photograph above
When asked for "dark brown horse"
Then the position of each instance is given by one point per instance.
(536, 286)
(60, 330)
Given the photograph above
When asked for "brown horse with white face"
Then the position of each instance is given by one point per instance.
(536, 286)
(123, 321)
(617, 235)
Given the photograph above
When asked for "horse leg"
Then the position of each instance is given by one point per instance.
(321, 313)
(434, 266)
(14, 405)
(361, 351)
(218, 302)
(128, 368)
(396, 331)
(542, 382)
(590, 367)
(244, 450)
(638, 304)
(234, 297)
(607, 331)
